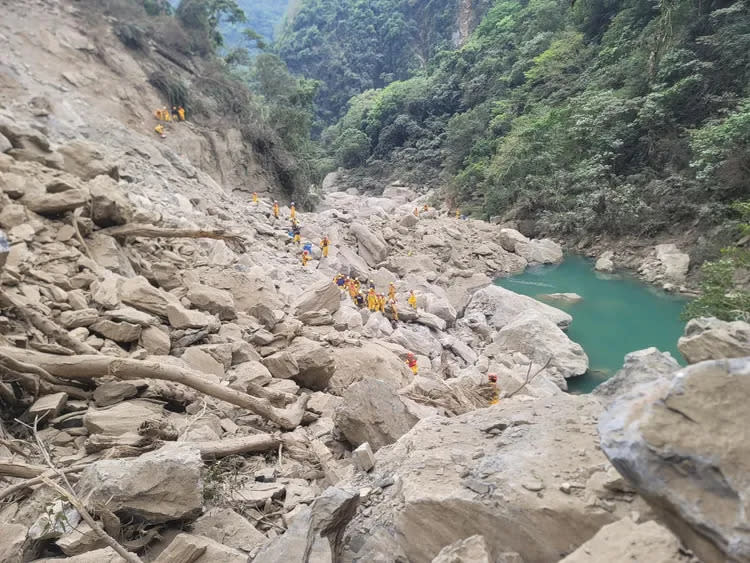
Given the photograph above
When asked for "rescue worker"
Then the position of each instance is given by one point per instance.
(359, 300)
(255, 197)
(412, 300)
(340, 281)
(160, 131)
(495, 398)
(353, 290)
(305, 257)
(292, 211)
(324, 244)
(181, 113)
(416, 212)
(411, 361)
(165, 114)
(391, 291)
(372, 300)
(276, 209)
(394, 310)
(357, 285)
(458, 213)
(174, 113)
(426, 207)
(157, 114)
(381, 303)
(297, 238)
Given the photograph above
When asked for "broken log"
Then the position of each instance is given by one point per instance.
(152, 231)
(85, 367)
(238, 445)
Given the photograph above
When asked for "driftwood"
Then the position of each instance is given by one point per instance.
(152, 231)
(48, 327)
(238, 445)
(86, 367)
(36, 473)
(35, 380)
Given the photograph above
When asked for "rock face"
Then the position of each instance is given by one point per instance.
(373, 412)
(541, 341)
(712, 339)
(494, 472)
(500, 306)
(159, 486)
(628, 542)
(682, 443)
(639, 367)
(324, 296)
(215, 301)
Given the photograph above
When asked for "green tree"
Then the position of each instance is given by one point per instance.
(202, 17)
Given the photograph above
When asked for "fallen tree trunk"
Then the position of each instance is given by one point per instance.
(152, 231)
(236, 446)
(91, 366)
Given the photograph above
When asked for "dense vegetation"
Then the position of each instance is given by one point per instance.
(354, 45)
(608, 116)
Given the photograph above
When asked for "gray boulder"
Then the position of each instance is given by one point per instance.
(109, 206)
(372, 247)
(500, 306)
(324, 296)
(641, 366)
(157, 486)
(708, 338)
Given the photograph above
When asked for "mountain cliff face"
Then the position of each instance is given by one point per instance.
(100, 69)
(355, 46)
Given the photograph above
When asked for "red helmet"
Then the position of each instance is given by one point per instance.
(492, 377)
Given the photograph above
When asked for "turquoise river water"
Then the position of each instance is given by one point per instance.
(618, 314)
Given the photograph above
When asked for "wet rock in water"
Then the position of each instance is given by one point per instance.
(605, 263)
(157, 486)
(640, 367)
(681, 442)
(567, 298)
(712, 339)
(500, 306)
(625, 542)
(373, 412)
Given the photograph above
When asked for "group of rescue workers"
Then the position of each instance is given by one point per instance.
(375, 302)
(164, 115)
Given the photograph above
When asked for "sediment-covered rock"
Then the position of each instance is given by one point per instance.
(713, 339)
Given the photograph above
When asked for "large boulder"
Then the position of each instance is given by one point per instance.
(227, 527)
(138, 293)
(497, 472)
(315, 363)
(157, 486)
(542, 341)
(500, 306)
(542, 251)
(250, 289)
(372, 247)
(122, 418)
(55, 203)
(107, 252)
(605, 262)
(509, 238)
(472, 549)
(352, 263)
(199, 549)
(417, 339)
(324, 296)
(627, 542)
(667, 264)
(373, 412)
(641, 366)
(86, 160)
(708, 338)
(369, 361)
(109, 206)
(215, 301)
(682, 443)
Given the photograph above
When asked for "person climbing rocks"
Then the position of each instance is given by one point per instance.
(495, 397)
(394, 310)
(372, 300)
(305, 257)
(458, 213)
(276, 209)
(181, 113)
(174, 113)
(411, 361)
(255, 198)
(353, 290)
(359, 300)
(292, 211)
(165, 114)
(426, 207)
(324, 244)
(416, 212)
(357, 285)
(412, 300)
(158, 115)
(391, 291)
(297, 238)
(160, 130)
(340, 280)
(381, 303)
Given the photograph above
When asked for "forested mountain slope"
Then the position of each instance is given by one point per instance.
(622, 117)
(355, 45)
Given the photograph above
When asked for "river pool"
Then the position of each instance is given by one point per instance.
(618, 314)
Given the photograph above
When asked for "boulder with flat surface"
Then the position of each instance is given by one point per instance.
(371, 247)
(324, 296)
(138, 293)
(109, 206)
(500, 306)
(682, 443)
(369, 361)
(215, 301)
(158, 486)
(641, 366)
(709, 338)
(315, 363)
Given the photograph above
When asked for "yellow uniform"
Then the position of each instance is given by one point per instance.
(458, 214)
(413, 300)
(305, 258)
(297, 238)
(159, 129)
(372, 300)
(394, 310)
(255, 197)
(392, 292)
(292, 212)
(181, 112)
(276, 210)
(324, 244)
(165, 113)
(381, 303)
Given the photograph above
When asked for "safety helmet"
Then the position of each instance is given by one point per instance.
(492, 377)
